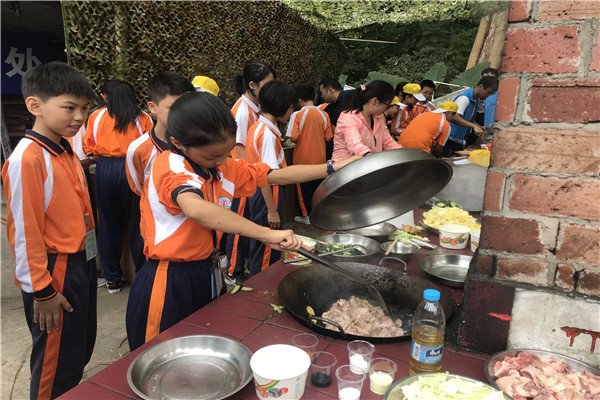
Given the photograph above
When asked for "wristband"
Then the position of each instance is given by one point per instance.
(330, 169)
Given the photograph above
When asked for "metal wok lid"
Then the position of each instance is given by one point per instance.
(377, 188)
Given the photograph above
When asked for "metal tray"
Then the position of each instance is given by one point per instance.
(377, 188)
(364, 245)
(394, 392)
(572, 363)
(191, 367)
(380, 232)
(448, 269)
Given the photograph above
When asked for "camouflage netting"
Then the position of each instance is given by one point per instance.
(135, 40)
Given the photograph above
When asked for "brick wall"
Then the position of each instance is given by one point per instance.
(541, 219)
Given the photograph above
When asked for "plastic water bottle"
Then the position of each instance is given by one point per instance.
(427, 343)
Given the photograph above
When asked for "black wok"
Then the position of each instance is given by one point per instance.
(320, 287)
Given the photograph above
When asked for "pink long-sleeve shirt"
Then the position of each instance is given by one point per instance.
(353, 136)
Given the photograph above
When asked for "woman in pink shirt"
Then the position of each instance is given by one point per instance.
(362, 129)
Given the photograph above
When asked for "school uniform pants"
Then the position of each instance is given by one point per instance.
(57, 359)
(237, 247)
(305, 193)
(261, 255)
(165, 292)
(450, 147)
(117, 206)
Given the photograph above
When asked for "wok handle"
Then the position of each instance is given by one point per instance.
(395, 259)
(328, 321)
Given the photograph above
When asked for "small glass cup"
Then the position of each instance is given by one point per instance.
(349, 383)
(381, 374)
(306, 342)
(360, 353)
(321, 368)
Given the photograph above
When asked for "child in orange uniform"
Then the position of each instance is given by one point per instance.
(184, 202)
(309, 128)
(411, 94)
(110, 131)
(50, 228)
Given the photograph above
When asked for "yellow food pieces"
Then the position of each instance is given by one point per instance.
(440, 216)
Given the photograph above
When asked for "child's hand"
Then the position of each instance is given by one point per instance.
(282, 240)
(273, 218)
(339, 164)
(47, 312)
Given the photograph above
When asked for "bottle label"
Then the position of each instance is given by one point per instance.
(425, 354)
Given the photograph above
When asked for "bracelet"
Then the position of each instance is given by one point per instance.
(330, 169)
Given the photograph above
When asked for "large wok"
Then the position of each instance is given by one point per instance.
(319, 287)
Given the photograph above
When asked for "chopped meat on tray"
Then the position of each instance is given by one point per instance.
(359, 317)
(528, 376)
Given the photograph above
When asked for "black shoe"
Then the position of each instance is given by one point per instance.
(114, 287)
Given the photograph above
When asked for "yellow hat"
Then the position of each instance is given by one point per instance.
(396, 101)
(415, 90)
(449, 106)
(205, 84)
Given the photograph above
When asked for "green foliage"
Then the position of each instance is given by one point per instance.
(391, 79)
(437, 72)
(471, 76)
(342, 79)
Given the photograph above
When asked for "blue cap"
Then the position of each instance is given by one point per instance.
(431, 295)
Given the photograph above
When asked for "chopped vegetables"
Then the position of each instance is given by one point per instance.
(439, 387)
(339, 246)
(440, 216)
(243, 288)
(446, 204)
(278, 309)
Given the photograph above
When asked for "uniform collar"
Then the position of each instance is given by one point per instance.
(212, 172)
(250, 103)
(271, 125)
(158, 143)
(48, 144)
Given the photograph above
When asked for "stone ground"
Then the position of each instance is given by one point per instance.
(111, 342)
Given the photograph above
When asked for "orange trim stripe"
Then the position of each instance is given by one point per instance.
(236, 239)
(267, 255)
(53, 340)
(157, 300)
(301, 201)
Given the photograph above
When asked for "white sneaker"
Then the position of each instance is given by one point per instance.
(101, 282)
(302, 220)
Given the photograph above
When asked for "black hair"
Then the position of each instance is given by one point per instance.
(427, 83)
(255, 71)
(121, 103)
(382, 90)
(276, 98)
(399, 88)
(332, 83)
(493, 71)
(489, 82)
(306, 92)
(166, 84)
(55, 79)
(200, 119)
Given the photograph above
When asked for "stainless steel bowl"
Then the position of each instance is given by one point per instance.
(364, 245)
(380, 232)
(572, 363)
(377, 188)
(191, 367)
(448, 269)
(403, 250)
(394, 392)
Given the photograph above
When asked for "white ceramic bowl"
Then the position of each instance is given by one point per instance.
(475, 234)
(308, 242)
(453, 236)
(280, 371)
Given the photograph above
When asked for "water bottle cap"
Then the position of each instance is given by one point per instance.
(431, 295)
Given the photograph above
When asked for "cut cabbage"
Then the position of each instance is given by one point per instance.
(440, 388)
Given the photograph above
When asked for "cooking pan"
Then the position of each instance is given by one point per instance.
(380, 232)
(365, 246)
(320, 287)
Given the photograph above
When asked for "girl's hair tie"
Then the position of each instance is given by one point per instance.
(363, 87)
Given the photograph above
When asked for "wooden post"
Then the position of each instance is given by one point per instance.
(479, 41)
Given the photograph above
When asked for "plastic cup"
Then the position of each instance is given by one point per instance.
(381, 374)
(360, 353)
(349, 383)
(453, 236)
(475, 234)
(321, 368)
(306, 342)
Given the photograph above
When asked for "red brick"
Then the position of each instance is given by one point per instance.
(565, 83)
(513, 235)
(554, 50)
(507, 99)
(565, 277)
(595, 65)
(568, 10)
(589, 283)
(523, 271)
(580, 244)
(569, 197)
(484, 265)
(519, 11)
(513, 148)
(494, 187)
(573, 101)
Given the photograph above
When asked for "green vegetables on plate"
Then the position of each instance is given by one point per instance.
(441, 387)
(339, 246)
(446, 204)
